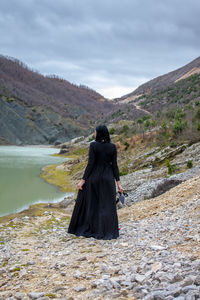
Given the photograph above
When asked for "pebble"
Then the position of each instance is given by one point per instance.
(35, 295)
(157, 247)
(80, 288)
(140, 278)
(19, 296)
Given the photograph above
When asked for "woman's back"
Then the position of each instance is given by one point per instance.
(95, 213)
(103, 152)
(102, 155)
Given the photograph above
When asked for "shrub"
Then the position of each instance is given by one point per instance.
(171, 168)
(153, 123)
(173, 144)
(10, 99)
(112, 130)
(164, 126)
(189, 164)
(140, 121)
(198, 126)
(159, 112)
(91, 138)
(126, 144)
(179, 114)
(197, 103)
(178, 126)
(147, 124)
(123, 172)
(198, 113)
(170, 114)
(125, 128)
(167, 135)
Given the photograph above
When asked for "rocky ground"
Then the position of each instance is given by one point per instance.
(157, 255)
(150, 179)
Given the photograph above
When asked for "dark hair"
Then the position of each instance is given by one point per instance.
(102, 134)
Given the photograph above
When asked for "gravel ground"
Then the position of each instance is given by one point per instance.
(157, 255)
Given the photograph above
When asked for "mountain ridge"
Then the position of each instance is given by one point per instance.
(44, 109)
(163, 81)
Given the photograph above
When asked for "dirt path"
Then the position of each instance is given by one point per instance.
(144, 110)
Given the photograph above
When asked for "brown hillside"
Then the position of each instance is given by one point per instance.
(32, 88)
(166, 80)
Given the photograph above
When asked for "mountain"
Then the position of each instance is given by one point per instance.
(37, 109)
(169, 107)
(164, 81)
(177, 88)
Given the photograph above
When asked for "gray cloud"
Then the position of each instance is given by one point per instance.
(110, 45)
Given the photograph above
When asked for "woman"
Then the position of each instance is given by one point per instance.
(95, 213)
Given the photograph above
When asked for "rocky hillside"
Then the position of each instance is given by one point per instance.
(164, 81)
(169, 116)
(23, 124)
(165, 110)
(37, 109)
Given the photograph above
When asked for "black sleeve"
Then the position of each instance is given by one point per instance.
(91, 160)
(114, 164)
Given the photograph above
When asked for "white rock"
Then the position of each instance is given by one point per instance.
(139, 278)
(35, 295)
(80, 288)
(157, 247)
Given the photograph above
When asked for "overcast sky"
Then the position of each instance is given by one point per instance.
(111, 46)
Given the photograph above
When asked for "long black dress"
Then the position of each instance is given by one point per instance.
(95, 213)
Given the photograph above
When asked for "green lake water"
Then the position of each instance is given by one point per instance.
(20, 181)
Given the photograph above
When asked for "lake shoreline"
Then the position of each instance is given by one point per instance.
(35, 145)
(34, 210)
(37, 204)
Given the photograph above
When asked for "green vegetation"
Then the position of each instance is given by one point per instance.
(91, 138)
(171, 168)
(126, 144)
(15, 269)
(189, 164)
(10, 99)
(78, 152)
(123, 171)
(182, 92)
(142, 119)
(198, 113)
(147, 124)
(178, 126)
(112, 130)
(5, 262)
(125, 130)
(51, 295)
(57, 177)
(116, 113)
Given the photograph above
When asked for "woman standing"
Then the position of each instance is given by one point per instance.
(95, 213)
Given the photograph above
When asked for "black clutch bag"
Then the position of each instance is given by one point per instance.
(121, 197)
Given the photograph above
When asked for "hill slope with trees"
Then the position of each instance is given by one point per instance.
(43, 109)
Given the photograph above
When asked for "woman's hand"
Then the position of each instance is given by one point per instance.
(80, 184)
(120, 188)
